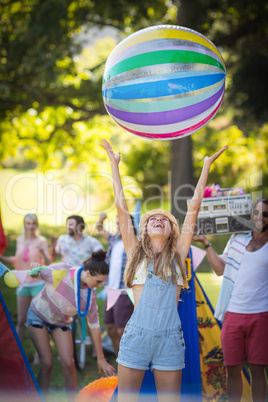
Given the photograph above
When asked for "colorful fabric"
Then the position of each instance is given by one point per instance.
(112, 240)
(232, 256)
(59, 305)
(74, 252)
(213, 372)
(17, 381)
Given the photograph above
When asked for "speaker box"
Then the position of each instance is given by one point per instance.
(224, 224)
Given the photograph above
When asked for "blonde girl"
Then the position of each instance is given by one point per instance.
(155, 272)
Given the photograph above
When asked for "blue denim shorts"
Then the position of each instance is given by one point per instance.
(37, 322)
(140, 347)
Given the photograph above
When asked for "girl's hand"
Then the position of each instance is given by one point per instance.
(200, 238)
(210, 159)
(114, 158)
(106, 367)
(102, 217)
(35, 268)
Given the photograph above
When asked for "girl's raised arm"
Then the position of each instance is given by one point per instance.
(187, 232)
(127, 231)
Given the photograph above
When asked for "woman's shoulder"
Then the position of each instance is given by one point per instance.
(41, 239)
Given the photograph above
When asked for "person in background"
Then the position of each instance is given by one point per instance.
(31, 248)
(51, 312)
(243, 302)
(74, 247)
(118, 315)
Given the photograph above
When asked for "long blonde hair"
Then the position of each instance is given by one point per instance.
(163, 262)
(35, 219)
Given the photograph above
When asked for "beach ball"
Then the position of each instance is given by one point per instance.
(10, 280)
(164, 82)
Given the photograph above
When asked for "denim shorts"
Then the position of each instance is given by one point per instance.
(37, 322)
(140, 347)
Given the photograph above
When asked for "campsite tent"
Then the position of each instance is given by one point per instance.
(17, 382)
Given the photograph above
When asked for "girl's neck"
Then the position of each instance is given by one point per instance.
(157, 246)
(83, 284)
(30, 236)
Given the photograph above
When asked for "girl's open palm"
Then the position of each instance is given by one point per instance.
(115, 158)
(211, 159)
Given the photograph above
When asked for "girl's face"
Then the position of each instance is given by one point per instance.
(30, 225)
(158, 226)
(94, 281)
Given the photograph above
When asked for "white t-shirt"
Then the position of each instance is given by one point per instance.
(250, 293)
(115, 266)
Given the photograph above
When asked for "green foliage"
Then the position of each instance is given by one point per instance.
(244, 158)
(239, 29)
(52, 60)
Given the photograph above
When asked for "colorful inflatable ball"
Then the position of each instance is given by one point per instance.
(164, 82)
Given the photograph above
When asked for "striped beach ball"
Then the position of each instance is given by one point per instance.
(164, 82)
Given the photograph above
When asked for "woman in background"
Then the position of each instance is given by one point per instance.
(31, 248)
(51, 312)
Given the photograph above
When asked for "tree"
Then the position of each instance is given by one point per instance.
(46, 91)
(50, 104)
(239, 28)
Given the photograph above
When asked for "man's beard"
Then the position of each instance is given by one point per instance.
(72, 233)
(262, 230)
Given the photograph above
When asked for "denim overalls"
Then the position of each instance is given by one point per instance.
(153, 334)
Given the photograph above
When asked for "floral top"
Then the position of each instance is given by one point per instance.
(75, 252)
(141, 275)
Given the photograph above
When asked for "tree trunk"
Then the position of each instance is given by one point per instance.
(182, 175)
(182, 171)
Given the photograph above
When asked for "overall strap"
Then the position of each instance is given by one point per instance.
(173, 266)
(150, 267)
